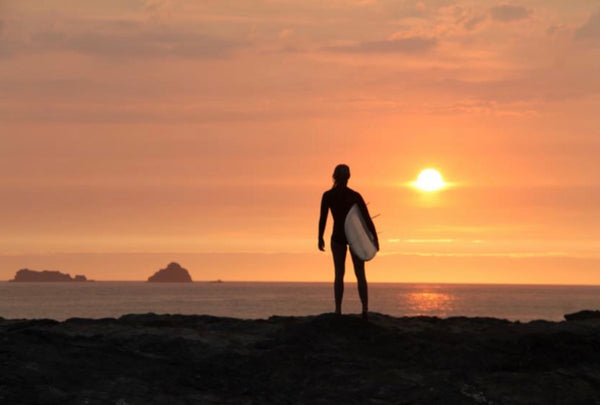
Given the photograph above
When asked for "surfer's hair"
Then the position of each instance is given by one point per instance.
(341, 174)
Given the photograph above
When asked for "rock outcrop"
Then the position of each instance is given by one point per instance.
(325, 359)
(173, 273)
(583, 315)
(26, 275)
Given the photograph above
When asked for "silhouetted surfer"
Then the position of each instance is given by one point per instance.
(339, 200)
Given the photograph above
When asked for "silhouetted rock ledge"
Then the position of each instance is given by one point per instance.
(45, 275)
(174, 273)
(583, 315)
(324, 359)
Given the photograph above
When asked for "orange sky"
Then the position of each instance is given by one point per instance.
(134, 133)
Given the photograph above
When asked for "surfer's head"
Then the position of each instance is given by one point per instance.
(341, 174)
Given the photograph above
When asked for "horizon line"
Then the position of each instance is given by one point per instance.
(222, 281)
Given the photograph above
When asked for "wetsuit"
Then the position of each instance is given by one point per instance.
(339, 200)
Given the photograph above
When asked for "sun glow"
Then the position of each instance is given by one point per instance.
(430, 180)
(429, 303)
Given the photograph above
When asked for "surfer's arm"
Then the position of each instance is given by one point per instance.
(322, 222)
(365, 213)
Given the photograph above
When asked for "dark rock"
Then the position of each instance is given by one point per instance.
(322, 359)
(48, 395)
(173, 273)
(583, 315)
(45, 275)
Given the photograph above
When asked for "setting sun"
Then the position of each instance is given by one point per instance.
(430, 180)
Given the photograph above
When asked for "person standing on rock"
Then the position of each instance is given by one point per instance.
(339, 200)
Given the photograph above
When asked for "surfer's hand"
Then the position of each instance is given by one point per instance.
(321, 244)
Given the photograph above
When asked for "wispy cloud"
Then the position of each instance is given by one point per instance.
(413, 44)
(421, 240)
(118, 38)
(509, 12)
(591, 29)
(468, 18)
(484, 254)
(139, 42)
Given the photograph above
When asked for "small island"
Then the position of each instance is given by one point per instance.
(173, 273)
(26, 275)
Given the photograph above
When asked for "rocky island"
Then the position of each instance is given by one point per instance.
(322, 359)
(26, 275)
(173, 273)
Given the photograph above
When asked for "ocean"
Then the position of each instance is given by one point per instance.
(61, 301)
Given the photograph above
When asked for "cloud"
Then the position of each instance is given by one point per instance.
(130, 39)
(467, 18)
(473, 22)
(532, 86)
(414, 44)
(508, 13)
(157, 5)
(555, 29)
(591, 29)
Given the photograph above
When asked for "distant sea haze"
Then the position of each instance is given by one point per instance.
(261, 300)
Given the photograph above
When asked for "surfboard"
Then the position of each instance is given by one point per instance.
(360, 238)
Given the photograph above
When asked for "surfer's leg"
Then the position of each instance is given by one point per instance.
(339, 261)
(361, 279)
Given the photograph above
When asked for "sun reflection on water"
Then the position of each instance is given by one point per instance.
(429, 303)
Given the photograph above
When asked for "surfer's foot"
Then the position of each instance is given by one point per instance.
(365, 315)
(338, 312)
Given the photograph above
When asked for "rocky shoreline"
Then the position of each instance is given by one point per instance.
(324, 359)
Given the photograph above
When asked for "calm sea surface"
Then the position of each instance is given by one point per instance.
(261, 300)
